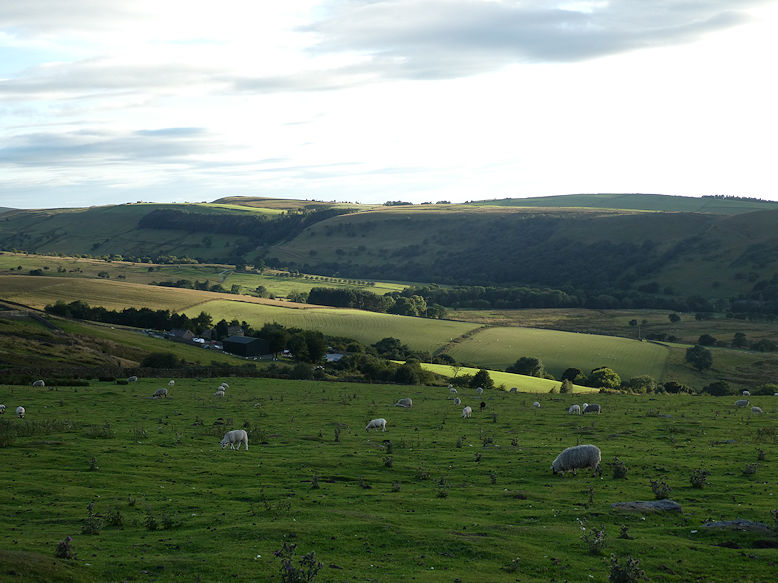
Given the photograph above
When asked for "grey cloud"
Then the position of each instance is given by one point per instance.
(35, 17)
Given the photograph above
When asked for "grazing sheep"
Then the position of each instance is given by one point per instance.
(514, 390)
(2, 409)
(457, 401)
(235, 436)
(467, 412)
(159, 393)
(536, 405)
(756, 410)
(132, 379)
(452, 390)
(742, 403)
(225, 385)
(479, 390)
(576, 457)
(39, 383)
(20, 411)
(584, 406)
(219, 393)
(222, 388)
(483, 405)
(171, 383)
(746, 393)
(406, 402)
(593, 408)
(574, 410)
(376, 423)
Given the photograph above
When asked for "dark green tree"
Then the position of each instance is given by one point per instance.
(527, 365)
(699, 357)
(604, 377)
(574, 374)
(482, 379)
(718, 388)
(706, 340)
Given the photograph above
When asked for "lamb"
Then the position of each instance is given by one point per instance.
(376, 423)
(219, 393)
(479, 390)
(536, 405)
(457, 401)
(406, 402)
(159, 393)
(235, 436)
(579, 456)
(467, 412)
(2, 409)
(756, 410)
(171, 383)
(593, 408)
(746, 393)
(483, 405)
(574, 410)
(742, 403)
(39, 383)
(132, 379)
(20, 411)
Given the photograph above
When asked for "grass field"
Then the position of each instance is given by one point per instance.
(436, 498)
(500, 347)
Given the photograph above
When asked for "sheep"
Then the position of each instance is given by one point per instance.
(584, 406)
(593, 408)
(222, 388)
(574, 410)
(452, 390)
(235, 436)
(756, 410)
(406, 402)
(39, 383)
(742, 403)
(2, 409)
(20, 411)
(225, 385)
(479, 390)
(172, 383)
(132, 379)
(467, 412)
(514, 390)
(536, 405)
(746, 393)
(376, 423)
(159, 393)
(483, 405)
(579, 456)
(457, 401)
(219, 393)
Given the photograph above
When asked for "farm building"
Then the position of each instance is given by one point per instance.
(181, 335)
(246, 345)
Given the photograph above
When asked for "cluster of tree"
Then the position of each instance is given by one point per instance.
(739, 341)
(189, 284)
(392, 302)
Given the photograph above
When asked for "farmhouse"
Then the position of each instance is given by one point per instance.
(246, 345)
(181, 335)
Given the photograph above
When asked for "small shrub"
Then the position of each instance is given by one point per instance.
(513, 566)
(441, 488)
(130, 501)
(624, 532)
(150, 522)
(114, 518)
(98, 432)
(315, 482)
(92, 524)
(64, 550)
(388, 461)
(167, 521)
(337, 434)
(388, 447)
(422, 473)
(628, 572)
(364, 485)
(660, 489)
(93, 467)
(494, 417)
(515, 442)
(493, 477)
(139, 433)
(594, 538)
(699, 478)
(774, 514)
(619, 468)
(750, 469)
(761, 455)
(396, 486)
(306, 571)
(477, 456)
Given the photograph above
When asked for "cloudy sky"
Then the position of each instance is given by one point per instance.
(108, 101)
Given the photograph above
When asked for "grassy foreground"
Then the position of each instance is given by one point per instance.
(435, 498)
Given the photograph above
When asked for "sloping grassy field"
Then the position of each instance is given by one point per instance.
(501, 347)
(436, 498)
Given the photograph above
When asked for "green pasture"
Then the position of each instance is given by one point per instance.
(506, 380)
(436, 498)
(366, 327)
(500, 347)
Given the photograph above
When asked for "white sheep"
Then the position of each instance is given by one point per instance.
(467, 412)
(593, 408)
(742, 403)
(159, 393)
(222, 388)
(132, 379)
(756, 410)
(457, 401)
(219, 393)
(577, 457)
(479, 390)
(172, 383)
(574, 410)
(405, 402)
(746, 393)
(235, 436)
(452, 390)
(225, 385)
(39, 383)
(2, 409)
(376, 423)
(584, 406)
(20, 411)
(536, 405)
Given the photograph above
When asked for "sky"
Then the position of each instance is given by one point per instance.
(108, 101)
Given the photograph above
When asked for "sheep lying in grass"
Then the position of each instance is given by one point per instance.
(159, 393)
(576, 457)
(39, 383)
(376, 423)
(467, 412)
(574, 410)
(219, 393)
(746, 393)
(406, 402)
(2, 409)
(593, 408)
(20, 411)
(132, 379)
(235, 436)
(756, 410)
(742, 403)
